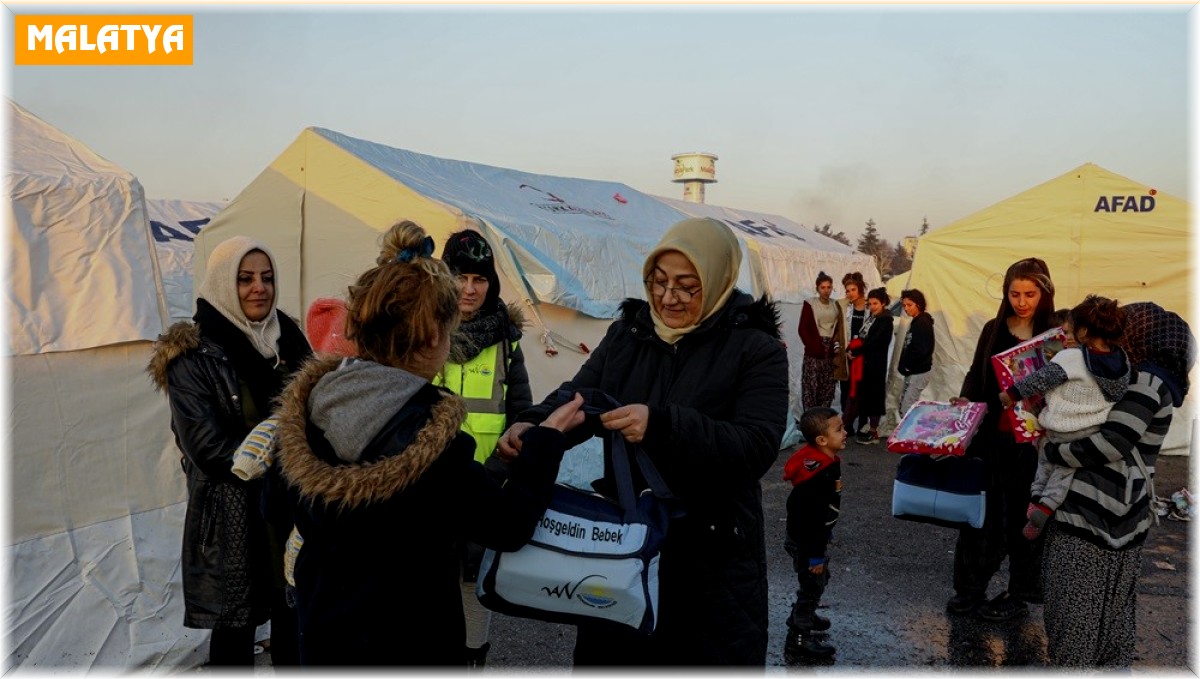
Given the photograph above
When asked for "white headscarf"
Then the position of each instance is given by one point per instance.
(712, 248)
(220, 289)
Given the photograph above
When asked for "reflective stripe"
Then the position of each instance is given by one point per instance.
(480, 382)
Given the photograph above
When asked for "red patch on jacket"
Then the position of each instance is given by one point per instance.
(805, 464)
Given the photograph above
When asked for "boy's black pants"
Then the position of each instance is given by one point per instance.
(808, 595)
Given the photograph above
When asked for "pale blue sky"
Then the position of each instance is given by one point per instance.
(821, 114)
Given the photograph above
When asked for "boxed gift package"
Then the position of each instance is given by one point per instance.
(1019, 362)
(937, 428)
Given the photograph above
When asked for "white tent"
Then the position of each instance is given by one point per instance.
(1098, 232)
(787, 258)
(96, 492)
(174, 225)
(569, 249)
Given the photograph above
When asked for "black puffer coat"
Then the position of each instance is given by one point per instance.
(226, 568)
(718, 404)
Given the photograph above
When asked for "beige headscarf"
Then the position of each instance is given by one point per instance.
(220, 289)
(712, 248)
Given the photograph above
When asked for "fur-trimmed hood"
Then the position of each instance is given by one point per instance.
(179, 339)
(516, 316)
(355, 484)
(741, 311)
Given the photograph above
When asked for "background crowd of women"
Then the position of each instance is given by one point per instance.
(381, 454)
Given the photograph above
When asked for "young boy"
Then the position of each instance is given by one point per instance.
(812, 510)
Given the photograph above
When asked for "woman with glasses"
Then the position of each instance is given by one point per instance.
(487, 368)
(702, 372)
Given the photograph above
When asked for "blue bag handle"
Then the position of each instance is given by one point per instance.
(596, 402)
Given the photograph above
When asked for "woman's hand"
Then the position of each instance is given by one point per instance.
(567, 416)
(630, 420)
(959, 401)
(1005, 400)
(510, 441)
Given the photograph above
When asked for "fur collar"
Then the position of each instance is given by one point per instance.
(179, 339)
(740, 312)
(354, 485)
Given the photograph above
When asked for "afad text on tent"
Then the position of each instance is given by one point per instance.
(102, 40)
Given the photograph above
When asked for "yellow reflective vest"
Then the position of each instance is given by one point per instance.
(481, 382)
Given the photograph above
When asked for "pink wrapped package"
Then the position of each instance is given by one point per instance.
(1019, 362)
(937, 428)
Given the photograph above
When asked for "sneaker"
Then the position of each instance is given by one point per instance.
(1003, 607)
(868, 438)
(964, 603)
(806, 646)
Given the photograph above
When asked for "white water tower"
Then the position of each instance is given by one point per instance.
(694, 170)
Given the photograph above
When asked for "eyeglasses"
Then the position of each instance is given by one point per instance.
(475, 249)
(660, 289)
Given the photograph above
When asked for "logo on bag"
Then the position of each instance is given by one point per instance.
(557, 528)
(595, 596)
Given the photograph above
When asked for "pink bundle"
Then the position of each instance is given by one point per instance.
(937, 428)
(1016, 364)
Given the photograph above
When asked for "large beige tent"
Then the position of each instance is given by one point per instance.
(96, 493)
(569, 250)
(1099, 233)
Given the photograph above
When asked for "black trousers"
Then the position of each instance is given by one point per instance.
(285, 632)
(232, 646)
(978, 553)
(808, 596)
(844, 391)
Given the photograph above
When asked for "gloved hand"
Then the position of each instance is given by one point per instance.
(1038, 514)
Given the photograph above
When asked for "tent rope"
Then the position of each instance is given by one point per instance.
(550, 339)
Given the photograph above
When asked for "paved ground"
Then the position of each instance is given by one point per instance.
(891, 582)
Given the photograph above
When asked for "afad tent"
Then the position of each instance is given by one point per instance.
(569, 250)
(96, 491)
(174, 225)
(1098, 232)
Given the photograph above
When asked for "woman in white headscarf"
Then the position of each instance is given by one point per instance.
(703, 373)
(221, 373)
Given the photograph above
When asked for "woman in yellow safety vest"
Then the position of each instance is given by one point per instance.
(486, 367)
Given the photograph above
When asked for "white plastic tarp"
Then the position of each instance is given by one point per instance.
(97, 495)
(576, 243)
(174, 225)
(786, 256)
(81, 265)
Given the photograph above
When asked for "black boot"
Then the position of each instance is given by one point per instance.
(477, 657)
(801, 646)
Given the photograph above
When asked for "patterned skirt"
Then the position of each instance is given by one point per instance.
(816, 382)
(1091, 601)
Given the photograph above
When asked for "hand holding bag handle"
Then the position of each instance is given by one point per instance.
(619, 450)
(591, 558)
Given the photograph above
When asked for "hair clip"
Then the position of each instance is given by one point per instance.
(422, 249)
